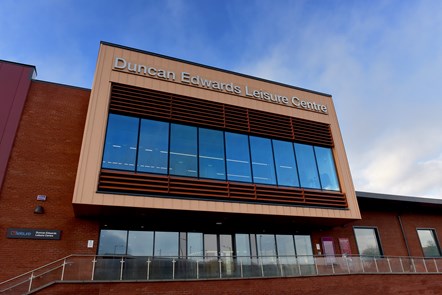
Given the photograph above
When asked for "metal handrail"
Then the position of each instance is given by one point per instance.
(125, 267)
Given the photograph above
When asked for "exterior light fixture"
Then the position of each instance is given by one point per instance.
(39, 209)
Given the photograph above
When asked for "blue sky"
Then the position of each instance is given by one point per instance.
(381, 61)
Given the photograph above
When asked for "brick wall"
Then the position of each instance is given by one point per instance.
(387, 223)
(44, 161)
(330, 285)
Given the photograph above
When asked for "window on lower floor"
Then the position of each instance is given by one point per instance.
(112, 242)
(429, 242)
(368, 242)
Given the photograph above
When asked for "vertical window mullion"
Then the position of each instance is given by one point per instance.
(274, 163)
(168, 150)
(138, 145)
(296, 165)
(225, 156)
(250, 160)
(197, 152)
(317, 168)
(127, 242)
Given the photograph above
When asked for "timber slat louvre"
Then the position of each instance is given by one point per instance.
(152, 184)
(146, 103)
(270, 125)
(312, 132)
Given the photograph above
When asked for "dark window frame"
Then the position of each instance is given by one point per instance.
(434, 232)
(378, 240)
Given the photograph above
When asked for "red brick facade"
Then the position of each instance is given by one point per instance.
(387, 220)
(330, 285)
(44, 162)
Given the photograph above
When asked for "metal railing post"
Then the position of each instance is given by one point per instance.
(30, 282)
(316, 266)
(425, 265)
(121, 268)
(376, 264)
(362, 264)
(280, 266)
(220, 269)
(62, 270)
(197, 269)
(173, 268)
(402, 265)
(389, 265)
(148, 269)
(412, 263)
(93, 267)
(348, 265)
(435, 264)
(299, 265)
(242, 274)
(333, 267)
(262, 267)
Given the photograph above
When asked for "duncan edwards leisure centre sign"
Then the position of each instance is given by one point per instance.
(194, 80)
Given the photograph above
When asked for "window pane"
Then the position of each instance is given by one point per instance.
(195, 245)
(183, 150)
(121, 142)
(140, 243)
(266, 245)
(242, 242)
(211, 154)
(166, 244)
(285, 245)
(112, 242)
(238, 157)
(225, 245)
(304, 249)
(367, 241)
(210, 246)
(153, 147)
(262, 160)
(308, 173)
(327, 169)
(429, 243)
(285, 163)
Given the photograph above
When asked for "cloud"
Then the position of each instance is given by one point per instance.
(382, 65)
(380, 60)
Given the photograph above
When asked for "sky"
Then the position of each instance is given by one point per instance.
(380, 60)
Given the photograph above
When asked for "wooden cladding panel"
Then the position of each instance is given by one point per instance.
(146, 103)
(149, 184)
(279, 126)
(311, 132)
(236, 119)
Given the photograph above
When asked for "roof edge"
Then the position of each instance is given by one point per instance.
(34, 74)
(213, 68)
(398, 198)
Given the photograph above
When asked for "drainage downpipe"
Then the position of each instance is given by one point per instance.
(403, 234)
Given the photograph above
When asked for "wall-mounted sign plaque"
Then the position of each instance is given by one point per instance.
(32, 233)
